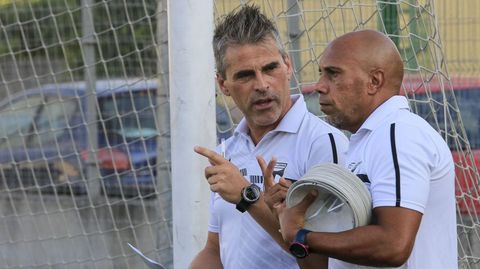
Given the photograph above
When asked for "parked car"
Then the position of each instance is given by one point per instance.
(44, 144)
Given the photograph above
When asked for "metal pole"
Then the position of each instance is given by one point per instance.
(164, 181)
(293, 15)
(192, 121)
(88, 47)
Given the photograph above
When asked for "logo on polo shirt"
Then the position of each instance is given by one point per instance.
(257, 179)
(279, 169)
(353, 166)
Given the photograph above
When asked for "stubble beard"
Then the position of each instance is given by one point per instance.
(336, 121)
(269, 116)
(345, 120)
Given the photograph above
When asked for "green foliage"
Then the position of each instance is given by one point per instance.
(389, 13)
(52, 29)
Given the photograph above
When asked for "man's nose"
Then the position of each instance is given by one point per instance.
(321, 86)
(261, 82)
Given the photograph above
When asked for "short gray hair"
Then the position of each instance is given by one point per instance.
(245, 26)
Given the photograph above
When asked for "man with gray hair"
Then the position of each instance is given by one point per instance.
(254, 69)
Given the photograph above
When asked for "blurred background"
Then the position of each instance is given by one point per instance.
(85, 163)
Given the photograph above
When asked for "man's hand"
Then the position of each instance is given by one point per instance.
(224, 177)
(273, 193)
(292, 219)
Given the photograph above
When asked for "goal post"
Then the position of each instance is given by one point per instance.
(192, 101)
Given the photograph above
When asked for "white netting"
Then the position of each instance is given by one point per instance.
(416, 27)
(78, 165)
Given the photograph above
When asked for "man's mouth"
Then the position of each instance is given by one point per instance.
(324, 104)
(263, 104)
(325, 107)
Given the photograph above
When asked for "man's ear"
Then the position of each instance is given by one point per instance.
(288, 63)
(221, 84)
(377, 81)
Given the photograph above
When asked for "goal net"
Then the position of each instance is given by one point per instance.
(84, 116)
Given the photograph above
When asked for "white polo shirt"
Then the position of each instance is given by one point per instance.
(406, 163)
(300, 141)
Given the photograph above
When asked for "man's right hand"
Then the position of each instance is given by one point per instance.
(223, 176)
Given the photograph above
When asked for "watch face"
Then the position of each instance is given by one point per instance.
(298, 250)
(252, 193)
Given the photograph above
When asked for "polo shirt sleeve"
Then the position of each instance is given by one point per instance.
(213, 224)
(328, 148)
(400, 166)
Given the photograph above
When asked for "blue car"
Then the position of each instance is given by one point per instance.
(44, 145)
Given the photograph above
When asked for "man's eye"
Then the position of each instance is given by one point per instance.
(243, 75)
(270, 68)
(331, 73)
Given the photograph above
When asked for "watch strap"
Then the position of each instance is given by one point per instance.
(301, 235)
(242, 206)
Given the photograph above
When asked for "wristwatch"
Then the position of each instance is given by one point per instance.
(249, 195)
(298, 247)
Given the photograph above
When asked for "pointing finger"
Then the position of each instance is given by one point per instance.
(213, 157)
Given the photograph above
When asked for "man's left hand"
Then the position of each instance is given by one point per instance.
(292, 219)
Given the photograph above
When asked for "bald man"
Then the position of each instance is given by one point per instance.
(403, 161)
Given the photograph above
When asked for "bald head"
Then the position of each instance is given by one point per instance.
(373, 50)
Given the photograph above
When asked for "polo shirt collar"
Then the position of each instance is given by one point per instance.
(291, 121)
(391, 105)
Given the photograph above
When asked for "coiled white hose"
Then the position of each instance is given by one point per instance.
(343, 200)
